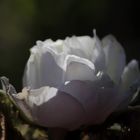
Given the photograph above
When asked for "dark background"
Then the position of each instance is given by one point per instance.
(22, 22)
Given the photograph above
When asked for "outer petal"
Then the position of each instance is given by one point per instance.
(52, 108)
(130, 74)
(130, 83)
(115, 58)
(78, 69)
(95, 99)
(43, 68)
(75, 104)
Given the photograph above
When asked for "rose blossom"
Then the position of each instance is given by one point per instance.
(77, 81)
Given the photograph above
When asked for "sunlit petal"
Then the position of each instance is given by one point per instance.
(79, 68)
(43, 68)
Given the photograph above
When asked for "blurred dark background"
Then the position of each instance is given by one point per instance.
(22, 22)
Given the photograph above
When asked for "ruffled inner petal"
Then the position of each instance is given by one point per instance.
(87, 47)
(74, 47)
(78, 69)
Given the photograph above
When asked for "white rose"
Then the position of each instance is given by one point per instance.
(77, 81)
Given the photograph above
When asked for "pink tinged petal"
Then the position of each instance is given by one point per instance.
(43, 68)
(52, 108)
(78, 69)
(98, 102)
(114, 56)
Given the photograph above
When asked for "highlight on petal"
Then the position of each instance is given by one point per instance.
(44, 68)
(77, 68)
(87, 45)
(114, 56)
(75, 48)
(104, 80)
(57, 46)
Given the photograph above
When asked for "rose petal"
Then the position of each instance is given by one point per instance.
(78, 69)
(95, 99)
(130, 74)
(57, 46)
(129, 84)
(75, 47)
(52, 108)
(87, 47)
(98, 56)
(115, 58)
(43, 68)
(75, 104)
